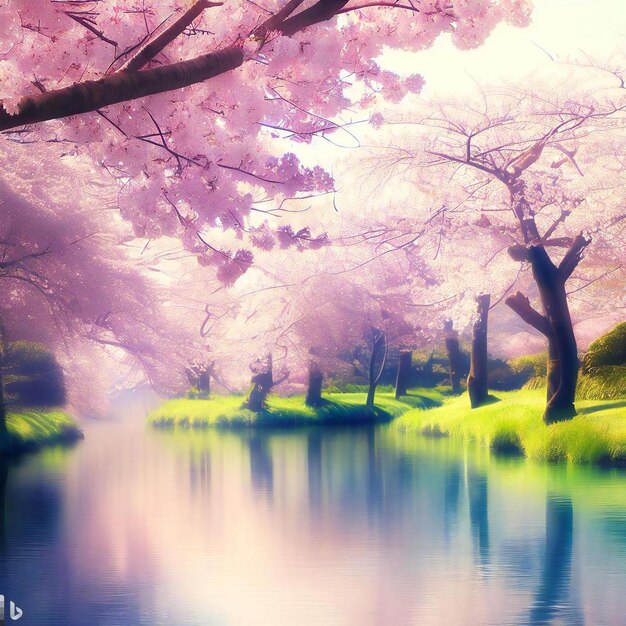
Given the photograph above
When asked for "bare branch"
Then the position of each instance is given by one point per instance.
(573, 256)
(519, 303)
(145, 54)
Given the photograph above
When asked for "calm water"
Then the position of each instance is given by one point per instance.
(322, 528)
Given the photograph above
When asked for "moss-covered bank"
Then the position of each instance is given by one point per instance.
(337, 409)
(31, 429)
(513, 422)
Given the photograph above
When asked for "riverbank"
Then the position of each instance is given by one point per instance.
(337, 409)
(513, 423)
(31, 429)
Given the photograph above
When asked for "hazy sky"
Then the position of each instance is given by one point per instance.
(567, 29)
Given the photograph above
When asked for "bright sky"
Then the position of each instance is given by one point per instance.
(567, 29)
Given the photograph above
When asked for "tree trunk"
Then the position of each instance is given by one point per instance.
(314, 391)
(562, 349)
(477, 381)
(404, 371)
(262, 382)
(556, 323)
(261, 385)
(379, 347)
(204, 383)
(454, 357)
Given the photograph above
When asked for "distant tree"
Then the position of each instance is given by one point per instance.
(32, 375)
(548, 158)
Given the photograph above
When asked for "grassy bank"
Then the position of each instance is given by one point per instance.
(340, 408)
(30, 429)
(514, 423)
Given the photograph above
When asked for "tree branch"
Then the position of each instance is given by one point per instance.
(573, 256)
(383, 338)
(274, 21)
(86, 22)
(519, 303)
(321, 11)
(145, 54)
(120, 87)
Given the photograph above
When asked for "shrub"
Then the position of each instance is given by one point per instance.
(530, 364)
(609, 349)
(602, 383)
(32, 375)
(503, 377)
(431, 368)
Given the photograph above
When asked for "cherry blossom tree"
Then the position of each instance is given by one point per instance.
(70, 279)
(180, 103)
(551, 163)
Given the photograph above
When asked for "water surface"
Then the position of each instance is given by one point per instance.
(362, 527)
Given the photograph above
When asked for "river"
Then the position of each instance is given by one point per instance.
(334, 527)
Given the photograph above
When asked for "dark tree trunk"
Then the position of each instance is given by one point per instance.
(454, 357)
(204, 383)
(562, 349)
(314, 391)
(555, 325)
(477, 381)
(262, 382)
(404, 372)
(261, 385)
(379, 349)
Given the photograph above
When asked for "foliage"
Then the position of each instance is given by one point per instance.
(602, 383)
(335, 386)
(610, 349)
(212, 166)
(514, 423)
(193, 393)
(503, 377)
(530, 364)
(532, 368)
(31, 429)
(432, 369)
(32, 375)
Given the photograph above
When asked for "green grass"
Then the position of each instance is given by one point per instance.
(30, 429)
(514, 423)
(338, 408)
(603, 383)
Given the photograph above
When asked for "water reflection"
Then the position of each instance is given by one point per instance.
(261, 467)
(452, 492)
(338, 527)
(554, 597)
(479, 512)
(314, 470)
